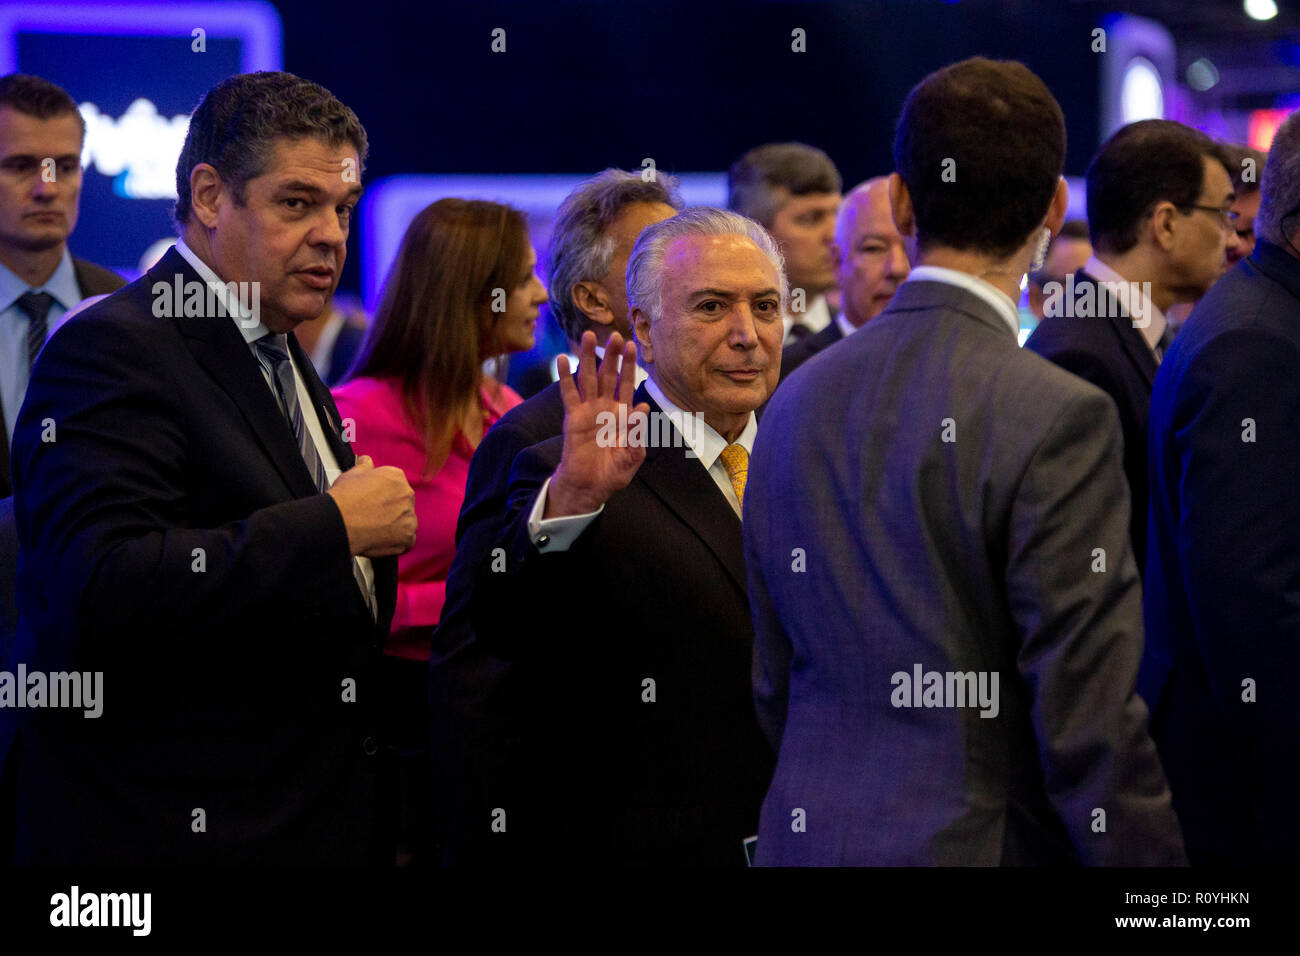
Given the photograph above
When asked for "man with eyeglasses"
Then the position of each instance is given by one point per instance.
(1220, 669)
(1159, 212)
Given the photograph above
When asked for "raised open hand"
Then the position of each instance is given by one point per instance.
(592, 467)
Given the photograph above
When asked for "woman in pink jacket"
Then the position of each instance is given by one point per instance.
(462, 290)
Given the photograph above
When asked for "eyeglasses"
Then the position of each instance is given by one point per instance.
(1227, 217)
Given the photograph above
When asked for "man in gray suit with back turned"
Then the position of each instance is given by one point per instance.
(947, 611)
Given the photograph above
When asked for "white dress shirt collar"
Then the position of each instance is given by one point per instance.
(698, 434)
(1155, 328)
(999, 300)
(815, 318)
(62, 284)
(847, 328)
(639, 374)
(251, 329)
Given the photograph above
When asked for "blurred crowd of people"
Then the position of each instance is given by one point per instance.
(875, 585)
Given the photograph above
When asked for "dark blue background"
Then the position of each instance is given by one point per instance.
(584, 85)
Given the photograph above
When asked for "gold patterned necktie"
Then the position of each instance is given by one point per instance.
(736, 460)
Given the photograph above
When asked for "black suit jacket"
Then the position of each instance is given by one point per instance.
(1109, 352)
(172, 538)
(8, 716)
(483, 513)
(618, 724)
(8, 607)
(800, 351)
(461, 682)
(1221, 668)
(344, 353)
(91, 280)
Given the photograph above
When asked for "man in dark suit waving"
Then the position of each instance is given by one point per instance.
(945, 666)
(1158, 209)
(635, 744)
(193, 528)
(595, 229)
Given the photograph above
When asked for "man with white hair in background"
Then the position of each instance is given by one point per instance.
(630, 730)
(873, 262)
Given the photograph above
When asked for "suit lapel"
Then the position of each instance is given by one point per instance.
(6, 482)
(327, 413)
(685, 488)
(1134, 345)
(220, 349)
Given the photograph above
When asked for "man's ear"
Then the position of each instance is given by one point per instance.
(592, 302)
(1163, 225)
(1060, 203)
(640, 320)
(900, 204)
(206, 194)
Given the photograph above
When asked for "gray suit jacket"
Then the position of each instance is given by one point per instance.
(927, 494)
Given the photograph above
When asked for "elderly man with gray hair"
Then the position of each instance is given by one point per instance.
(873, 261)
(591, 242)
(632, 737)
(1220, 669)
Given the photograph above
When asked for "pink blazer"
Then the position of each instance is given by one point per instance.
(385, 433)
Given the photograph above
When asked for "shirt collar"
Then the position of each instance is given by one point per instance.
(999, 300)
(230, 304)
(698, 434)
(847, 328)
(639, 374)
(814, 318)
(62, 284)
(1155, 328)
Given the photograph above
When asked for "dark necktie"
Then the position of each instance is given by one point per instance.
(37, 306)
(1166, 337)
(274, 353)
(799, 331)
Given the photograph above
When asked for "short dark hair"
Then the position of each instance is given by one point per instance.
(1145, 163)
(1237, 154)
(980, 145)
(33, 96)
(755, 180)
(234, 127)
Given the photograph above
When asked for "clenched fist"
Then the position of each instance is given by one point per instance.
(378, 508)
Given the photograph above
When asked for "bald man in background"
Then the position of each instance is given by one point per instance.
(873, 262)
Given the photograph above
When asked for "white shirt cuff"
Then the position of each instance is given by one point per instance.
(556, 534)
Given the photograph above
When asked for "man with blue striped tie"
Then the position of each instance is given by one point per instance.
(194, 526)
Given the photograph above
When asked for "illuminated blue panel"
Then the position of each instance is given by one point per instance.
(1137, 72)
(254, 24)
(135, 76)
(390, 204)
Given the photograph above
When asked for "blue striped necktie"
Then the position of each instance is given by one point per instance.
(273, 352)
(37, 306)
